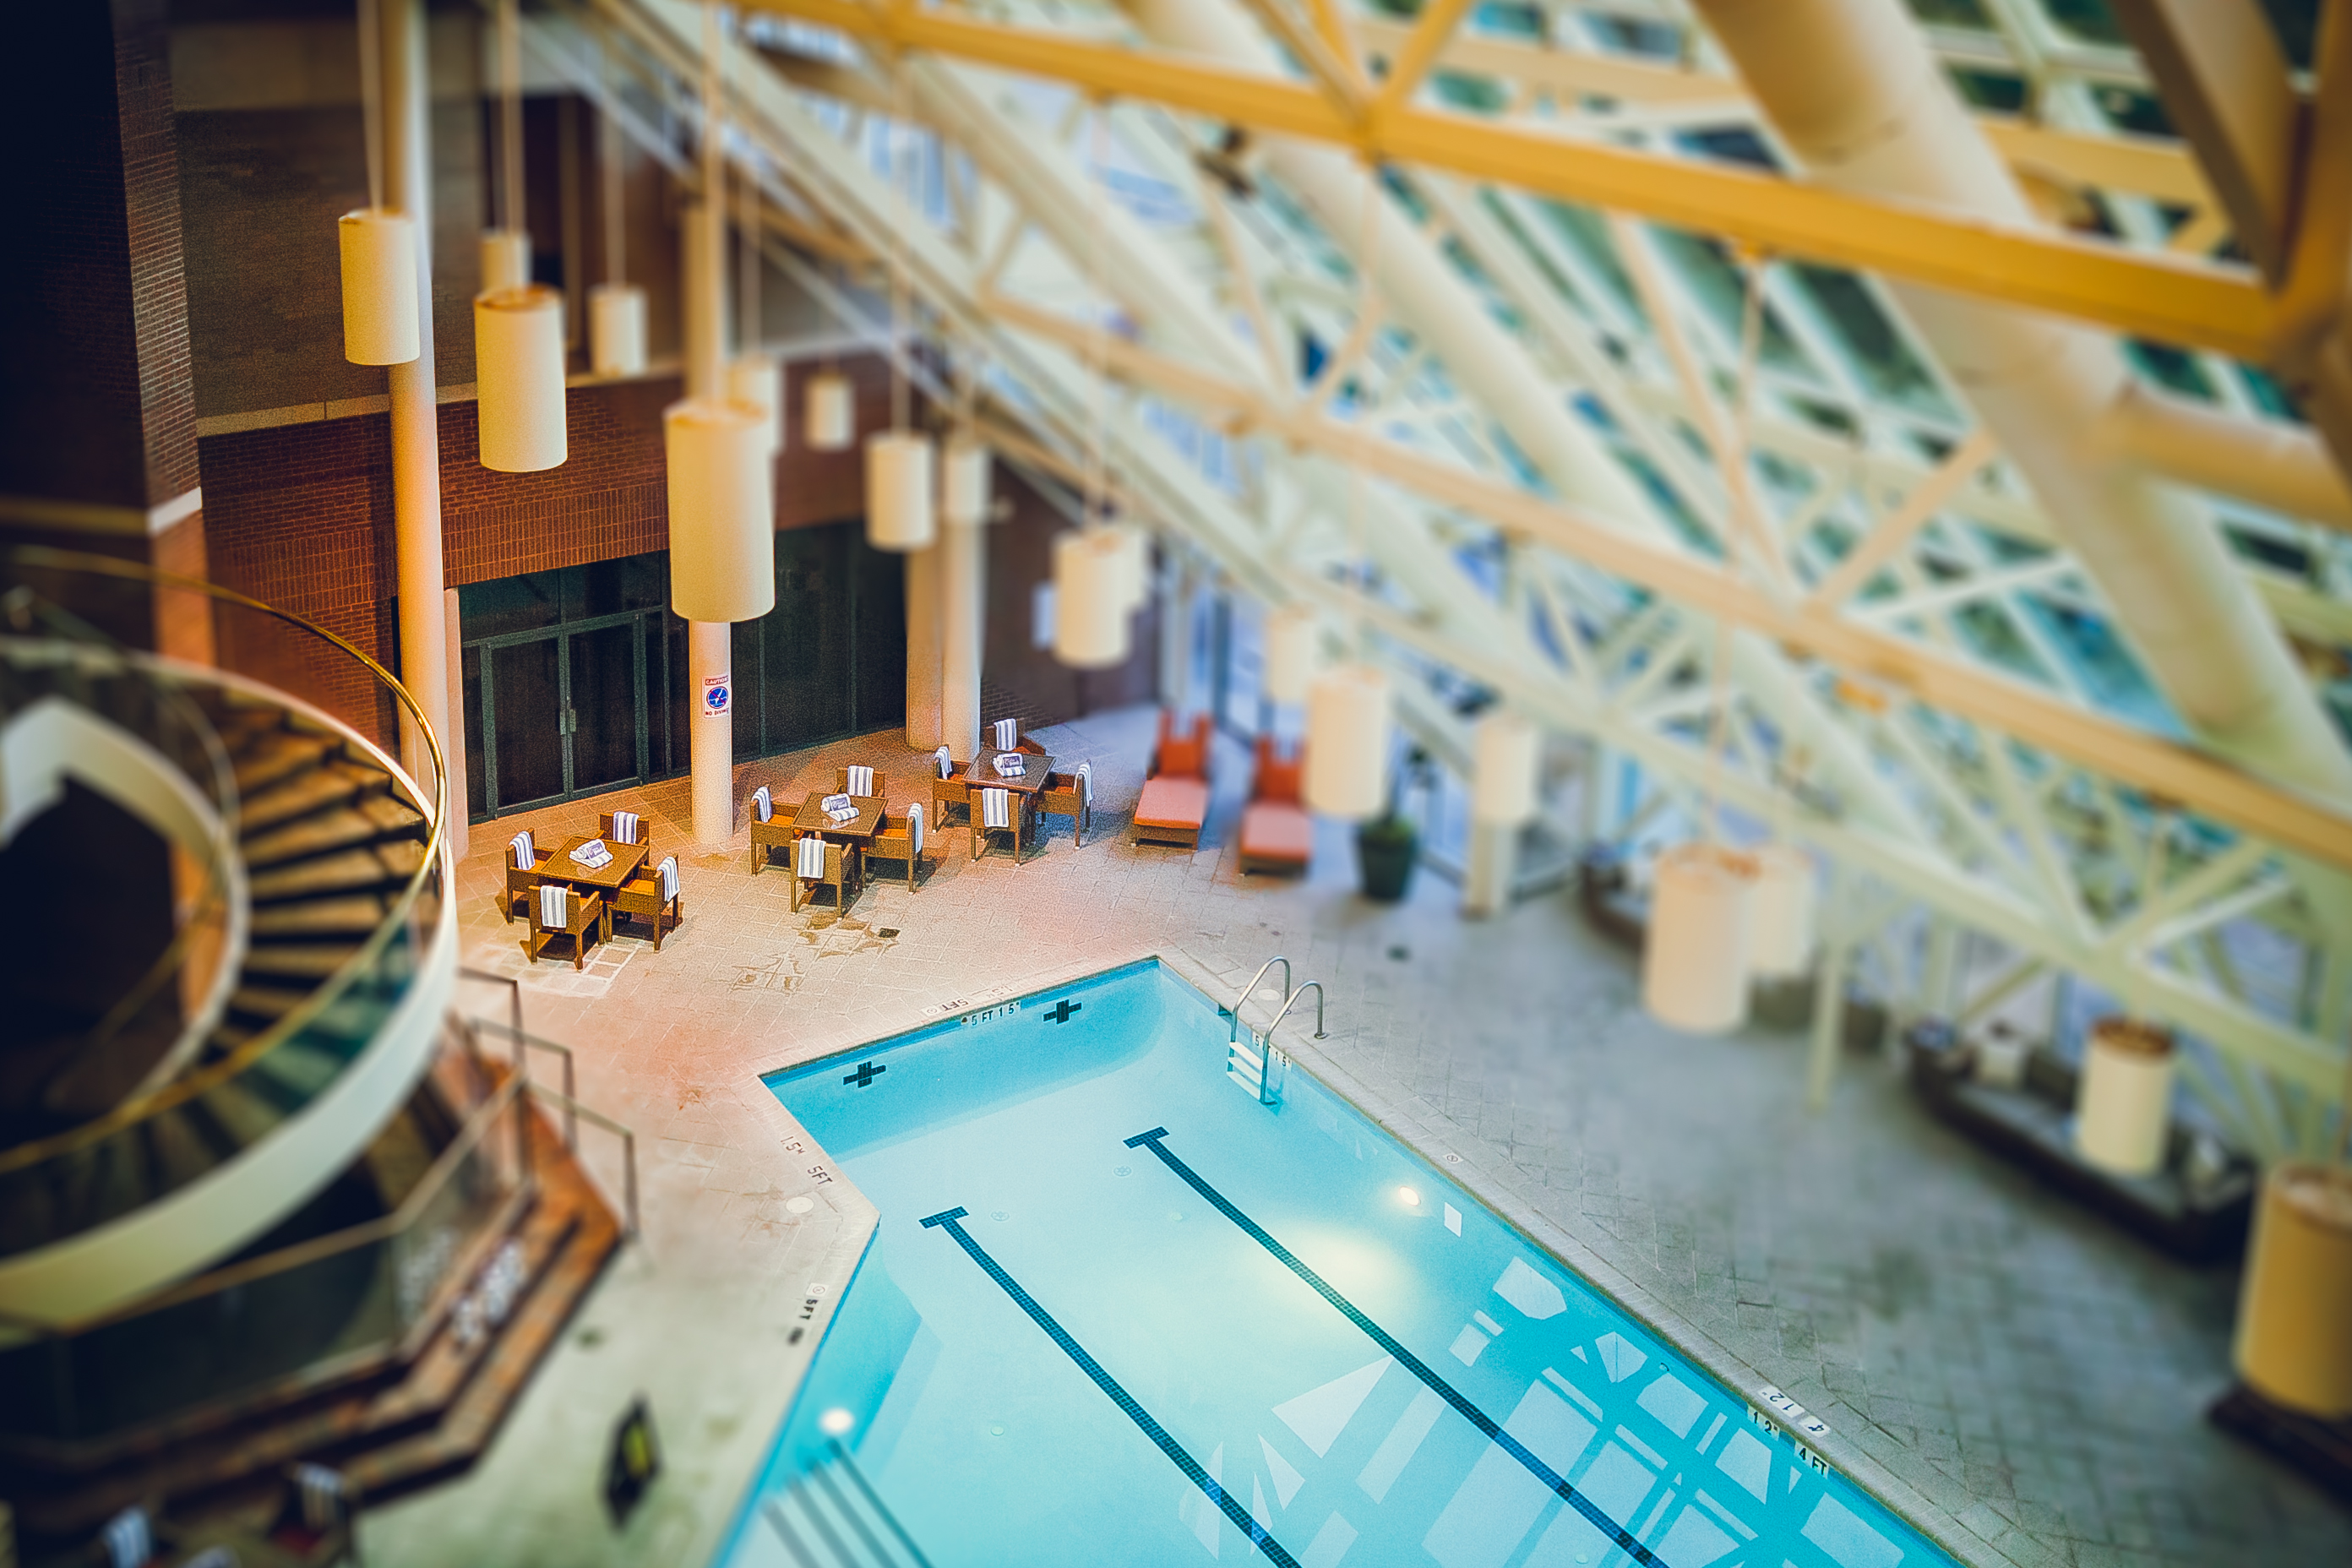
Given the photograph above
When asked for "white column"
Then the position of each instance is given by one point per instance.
(1176, 632)
(710, 738)
(1829, 997)
(963, 620)
(1494, 861)
(425, 659)
(923, 647)
(710, 741)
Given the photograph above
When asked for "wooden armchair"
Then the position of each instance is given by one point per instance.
(653, 898)
(996, 811)
(621, 827)
(817, 864)
(525, 863)
(1070, 795)
(769, 830)
(564, 923)
(904, 842)
(948, 791)
(877, 785)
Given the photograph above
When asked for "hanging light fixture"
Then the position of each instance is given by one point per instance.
(901, 500)
(1090, 628)
(1288, 665)
(2123, 1106)
(2291, 1347)
(1135, 563)
(1695, 961)
(616, 308)
(506, 259)
(1781, 946)
(1505, 752)
(1093, 572)
(758, 379)
(1348, 742)
(518, 328)
(829, 412)
(966, 468)
(722, 491)
(378, 248)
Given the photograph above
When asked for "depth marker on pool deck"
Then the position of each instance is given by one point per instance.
(1387, 1341)
(1258, 1536)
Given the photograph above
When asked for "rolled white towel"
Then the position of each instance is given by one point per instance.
(1008, 733)
(808, 856)
(835, 803)
(763, 807)
(625, 827)
(996, 808)
(861, 780)
(946, 763)
(526, 853)
(667, 874)
(554, 907)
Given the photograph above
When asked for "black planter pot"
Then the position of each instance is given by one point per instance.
(1385, 853)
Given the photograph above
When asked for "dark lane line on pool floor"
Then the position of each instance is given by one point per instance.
(1388, 1342)
(1257, 1533)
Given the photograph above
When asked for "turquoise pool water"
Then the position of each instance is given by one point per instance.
(1118, 1312)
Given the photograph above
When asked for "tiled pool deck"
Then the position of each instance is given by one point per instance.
(2035, 1376)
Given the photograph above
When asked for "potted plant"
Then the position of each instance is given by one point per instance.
(1387, 846)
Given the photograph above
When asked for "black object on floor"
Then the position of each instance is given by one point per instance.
(2320, 1450)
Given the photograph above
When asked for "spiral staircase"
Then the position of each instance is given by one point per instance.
(262, 1198)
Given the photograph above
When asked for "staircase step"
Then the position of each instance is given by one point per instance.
(267, 1004)
(278, 756)
(383, 865)
(365, 820)
(331, 783)
(354, 915)
(311, 962)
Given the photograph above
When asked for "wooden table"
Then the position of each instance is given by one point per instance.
(858, 830)
(627, 860)
(1030, 783)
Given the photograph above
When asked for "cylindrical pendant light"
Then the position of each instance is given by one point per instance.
(721, 510)
(379, 256)
(1505, 752)
(2292, 1347)
(1134, 564)
(506, 259)
(830, 411)
(1290, 634)
(759, 379)
(1090, 623)
(2123, 1106)
(616, 329)
(901, 512)
(1781, 942)
(518, 376)
(965, 469)
(1695, 960)
(1347, 725)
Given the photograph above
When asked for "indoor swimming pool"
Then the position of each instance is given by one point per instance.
(1118, 1311)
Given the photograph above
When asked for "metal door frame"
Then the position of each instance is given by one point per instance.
(569, 723)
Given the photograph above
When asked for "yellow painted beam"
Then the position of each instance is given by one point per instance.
(2171, 298)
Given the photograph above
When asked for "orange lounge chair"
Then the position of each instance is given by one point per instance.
(1277, 833)
(1175, 800)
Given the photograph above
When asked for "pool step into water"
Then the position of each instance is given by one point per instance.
(832, 1518)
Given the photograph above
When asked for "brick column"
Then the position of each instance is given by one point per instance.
(98, 437)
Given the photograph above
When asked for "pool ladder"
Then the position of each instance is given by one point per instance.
(1254, 1063)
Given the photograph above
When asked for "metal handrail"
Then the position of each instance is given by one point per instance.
(187, 1087)
(522, 1042)
(1266, 1041)
(1233, 1035)
(571, 1107)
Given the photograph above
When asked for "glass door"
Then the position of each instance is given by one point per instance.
(562, 712)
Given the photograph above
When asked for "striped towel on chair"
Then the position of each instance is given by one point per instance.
(763, 805)
(625, 827)
(996, 808)
(666, 875)
(946, 762)
(808, 856)
(526, 853)
(914, 830)
(129, 1540)
(1007, 733)
(1085, 775)
(554, 907)
(861, 780)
